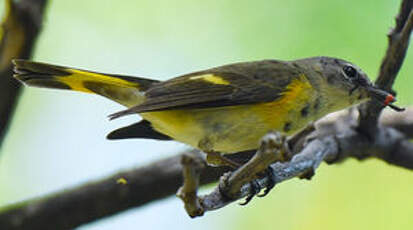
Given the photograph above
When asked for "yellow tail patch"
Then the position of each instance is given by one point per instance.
(76, 80)
(122, 91)
(125, 90)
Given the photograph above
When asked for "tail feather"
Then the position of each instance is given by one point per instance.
(122, 113)
(125, 90)
(142, 129)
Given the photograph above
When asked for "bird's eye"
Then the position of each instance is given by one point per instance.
(350, 71)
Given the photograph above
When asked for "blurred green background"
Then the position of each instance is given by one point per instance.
(57, 139)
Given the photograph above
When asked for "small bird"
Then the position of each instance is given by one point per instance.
(221, 110)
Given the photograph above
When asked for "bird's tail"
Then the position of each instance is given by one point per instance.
(125, 90)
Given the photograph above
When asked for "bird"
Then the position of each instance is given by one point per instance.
(221, 110)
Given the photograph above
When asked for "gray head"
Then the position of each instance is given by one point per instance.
(345, 76)
(346, 83)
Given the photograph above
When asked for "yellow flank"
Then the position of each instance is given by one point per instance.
(78, 77)
(287, 108)
(176, 124)
(238, 128)
(211, 79)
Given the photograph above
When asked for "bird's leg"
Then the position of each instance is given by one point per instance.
(273, 148)
(217, 159)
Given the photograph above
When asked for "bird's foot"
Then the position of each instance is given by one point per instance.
(273, 149)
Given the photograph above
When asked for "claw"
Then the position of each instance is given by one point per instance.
(307, 175)
(270, 184)
(254, 190)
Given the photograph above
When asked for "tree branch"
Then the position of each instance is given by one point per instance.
(308, 160)
(332, 143)
(73, 207)
(106, 197)
(19, 30)
(398, 42)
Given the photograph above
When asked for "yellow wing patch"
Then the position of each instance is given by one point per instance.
(211, 79)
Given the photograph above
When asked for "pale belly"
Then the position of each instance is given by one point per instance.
(226, 129)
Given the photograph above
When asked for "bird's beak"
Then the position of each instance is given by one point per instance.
(383, 97)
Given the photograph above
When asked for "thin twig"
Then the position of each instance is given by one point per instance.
(398, 42)
(192, 168)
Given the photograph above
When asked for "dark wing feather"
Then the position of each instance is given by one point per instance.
(249, 82)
